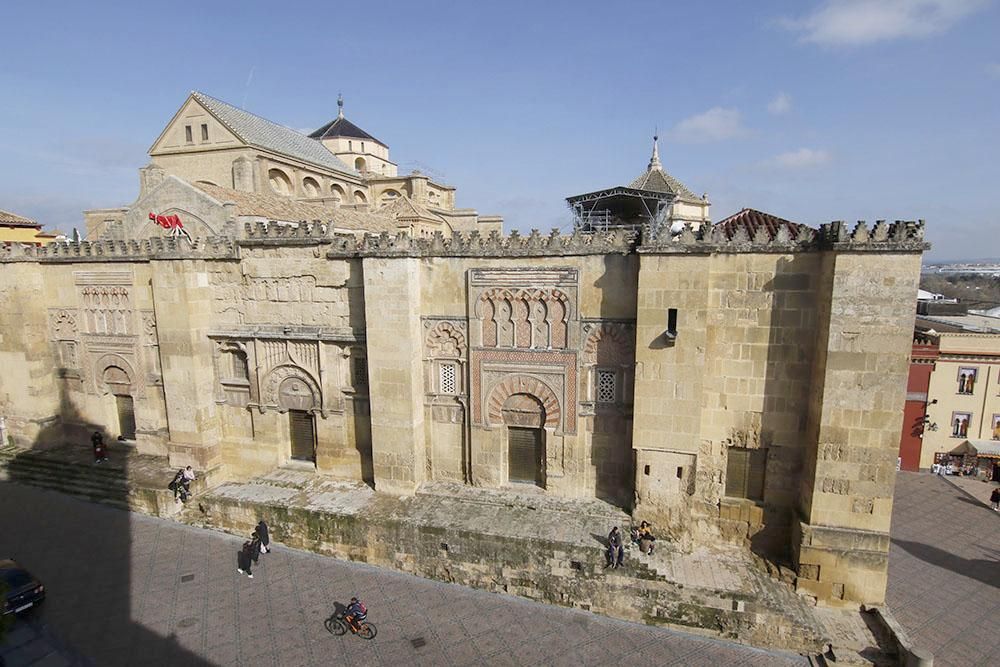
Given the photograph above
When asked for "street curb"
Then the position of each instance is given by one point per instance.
(961, 490)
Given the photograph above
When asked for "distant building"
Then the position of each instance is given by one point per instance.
(217, 167)
(19, 229)
(953, 393)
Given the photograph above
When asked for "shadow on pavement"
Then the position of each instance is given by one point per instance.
(982, 570)
(84, 557)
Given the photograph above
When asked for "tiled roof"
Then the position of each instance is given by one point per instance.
(14, 220)
(341, 127)
(276, 207)
(657, 180)
(751, 220)
(263, 133)
(404, 208)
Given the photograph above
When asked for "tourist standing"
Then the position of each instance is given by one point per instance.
(616, 551)
(995, 498)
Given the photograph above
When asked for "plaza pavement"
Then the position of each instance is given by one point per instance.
(127, 589)
(944, 568)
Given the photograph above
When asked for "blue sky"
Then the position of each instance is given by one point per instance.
(814, 111)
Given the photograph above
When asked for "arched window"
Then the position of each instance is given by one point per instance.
(388, 197)
(360, 164)
(310, 187)
(338, 192)
(359, 197)
(280, 182)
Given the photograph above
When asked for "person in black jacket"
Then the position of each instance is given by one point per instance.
(616, 551)
(265, 537)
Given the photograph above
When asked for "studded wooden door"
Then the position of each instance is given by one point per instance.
(126, 417)
(303, 433)
(524, 455)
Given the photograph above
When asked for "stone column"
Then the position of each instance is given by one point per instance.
(865, 303)
(182, 300)
(395, 376)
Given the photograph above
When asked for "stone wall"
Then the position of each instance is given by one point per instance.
(648, 368)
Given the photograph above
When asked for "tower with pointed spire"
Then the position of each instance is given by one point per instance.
(654, 198)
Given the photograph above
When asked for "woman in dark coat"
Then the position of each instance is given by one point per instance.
(265, 537)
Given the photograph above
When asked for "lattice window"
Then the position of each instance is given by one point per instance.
(360, 372)
(447, 377)
(605, 386)
(241, 369)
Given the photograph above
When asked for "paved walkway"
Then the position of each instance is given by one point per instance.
(130, 589)
(944, 569)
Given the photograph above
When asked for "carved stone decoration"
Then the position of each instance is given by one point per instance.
(609, 343)
(524, 318)
(62, 323)
(115, 375)
(445, 339)
(148, 327)
(287, 387)
(107, 310)
(522, 385)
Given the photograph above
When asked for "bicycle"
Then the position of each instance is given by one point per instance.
(338, 625)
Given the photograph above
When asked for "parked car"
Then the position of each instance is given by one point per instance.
(22, 589)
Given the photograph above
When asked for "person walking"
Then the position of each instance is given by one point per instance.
(616, 551)
(254, 546)
(244, 560)
(995, 499)
(264, 535)
(100, 449)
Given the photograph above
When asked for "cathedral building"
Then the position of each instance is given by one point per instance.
(274, 299)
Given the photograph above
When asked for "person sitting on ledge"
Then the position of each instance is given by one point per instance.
(645, 538)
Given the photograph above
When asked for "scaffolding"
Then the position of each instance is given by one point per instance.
(620, 208)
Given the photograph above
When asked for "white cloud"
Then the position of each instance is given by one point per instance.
(716, 124)
(856, 22)
(803, 158)
(781, 104)
(993, 69)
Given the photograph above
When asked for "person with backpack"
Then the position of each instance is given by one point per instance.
(355, 614)
(995, 499)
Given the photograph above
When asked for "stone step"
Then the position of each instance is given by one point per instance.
(78, 492)
(144, 500)
(95, 472)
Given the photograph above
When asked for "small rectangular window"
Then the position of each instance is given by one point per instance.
(204, 132)
(960, 422)
(745, 473)
(188, 137)
(605, 386)
(360, 372)
(447, 379)
(967, 380)
(362, 147)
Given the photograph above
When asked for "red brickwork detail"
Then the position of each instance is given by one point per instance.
(523, 384)
(564, 405)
